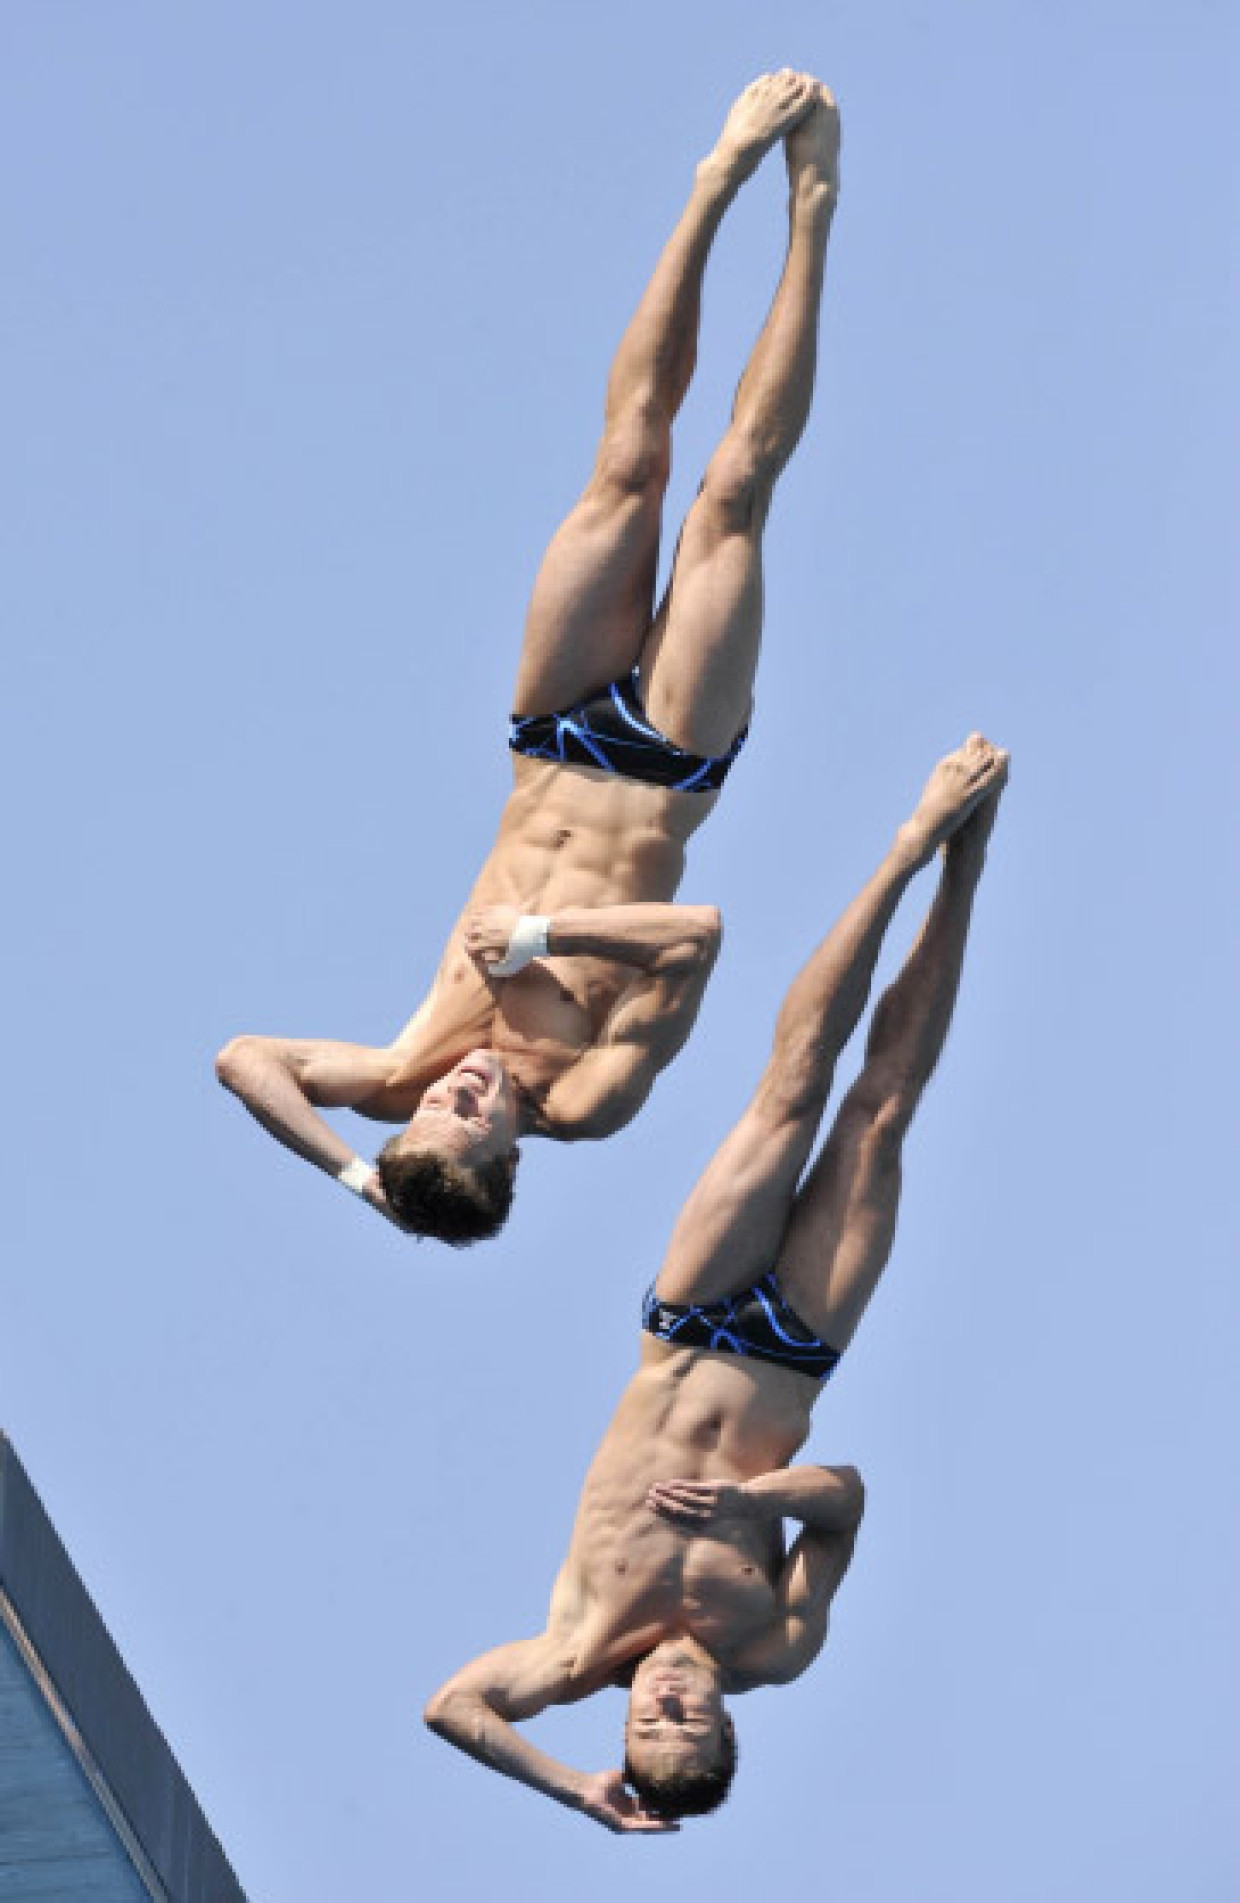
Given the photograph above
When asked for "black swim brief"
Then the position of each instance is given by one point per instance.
(611, 731)
(758, 1322)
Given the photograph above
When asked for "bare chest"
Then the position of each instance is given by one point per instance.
(540, 1023)
(553, 1011)
(647, 1579)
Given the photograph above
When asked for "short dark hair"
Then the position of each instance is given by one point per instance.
(688, 1793)
(457, 1203)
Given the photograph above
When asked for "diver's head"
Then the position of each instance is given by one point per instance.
(680, 1745)
(450, 1172)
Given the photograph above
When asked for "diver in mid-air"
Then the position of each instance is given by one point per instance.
(676, 1584)
(569, 980)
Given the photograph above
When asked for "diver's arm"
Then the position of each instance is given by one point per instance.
(819, 1558)
(476, 1711)
(829, 1500)
(826, 1499)
(647, 1027)
(281, 1080)
(809, 1582)
(656, 938)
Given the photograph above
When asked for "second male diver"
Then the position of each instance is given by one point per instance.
(677, 1585)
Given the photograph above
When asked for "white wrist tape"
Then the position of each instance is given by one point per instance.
(356, 1175)
(528, 940)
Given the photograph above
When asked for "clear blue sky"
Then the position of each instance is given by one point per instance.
(306, 314)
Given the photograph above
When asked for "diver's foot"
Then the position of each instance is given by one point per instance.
(812, 149)
(960, 786)
(766, 112)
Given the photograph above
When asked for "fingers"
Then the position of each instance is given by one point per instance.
(485, 939)
(643, 1821)
(691, 1501)
(489, 925)
(697, 1502)
(696, 1491)
(610, 1803)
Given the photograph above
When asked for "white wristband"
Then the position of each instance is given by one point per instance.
(356, 1174)
(528, 940)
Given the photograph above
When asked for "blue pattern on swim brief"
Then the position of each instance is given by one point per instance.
(757, 1322)
(611, 731)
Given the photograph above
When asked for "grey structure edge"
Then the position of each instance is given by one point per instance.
(73, 1645)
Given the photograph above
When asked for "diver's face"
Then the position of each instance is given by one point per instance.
(676, 1717)
(469, 1114)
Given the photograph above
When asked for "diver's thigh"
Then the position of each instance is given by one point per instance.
(731, 1227)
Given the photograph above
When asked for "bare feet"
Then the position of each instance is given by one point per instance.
(966, 782)
(766, 112)
(812, 148)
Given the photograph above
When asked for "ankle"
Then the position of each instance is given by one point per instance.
(719, 176)
(812, 198)
(964, 861)
(913, 847)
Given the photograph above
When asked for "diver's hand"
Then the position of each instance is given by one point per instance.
(488, 932)
(702, 1502)
(374, 1194)
(606, 1798)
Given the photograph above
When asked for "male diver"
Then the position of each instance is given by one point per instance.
(676, 1583)
(569, 981)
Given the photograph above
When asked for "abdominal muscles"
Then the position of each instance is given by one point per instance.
(694, 1416)
(570, 836)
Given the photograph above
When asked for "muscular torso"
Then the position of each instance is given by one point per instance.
(568, 836)
(632, 1578)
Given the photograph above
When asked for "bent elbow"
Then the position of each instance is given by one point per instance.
(705, 936)
(234, 1061)
(854, 1497)
(437, 1712)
